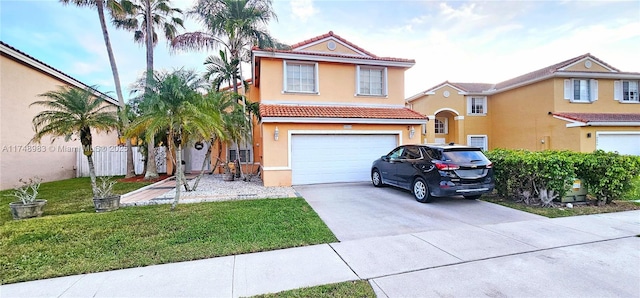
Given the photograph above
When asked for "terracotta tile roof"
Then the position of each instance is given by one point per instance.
(336, 36)
(600, 117)
(331, 34)
(337, 112)
(549, 70)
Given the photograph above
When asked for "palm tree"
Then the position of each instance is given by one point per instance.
(115, 8)
(143, 17)
(235, 25)
(175, 105)
(221, 69)
(72, 111)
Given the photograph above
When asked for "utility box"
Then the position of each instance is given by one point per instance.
(577, 193)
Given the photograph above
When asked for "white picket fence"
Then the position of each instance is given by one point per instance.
(112, 161)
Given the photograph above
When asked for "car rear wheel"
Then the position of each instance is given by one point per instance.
(474, 197)
(376, 179)
(421, 191)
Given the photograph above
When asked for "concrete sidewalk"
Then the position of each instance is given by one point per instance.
(583, 256)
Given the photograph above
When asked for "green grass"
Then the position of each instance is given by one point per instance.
(66, 196)
(355, 289)
(71, 238)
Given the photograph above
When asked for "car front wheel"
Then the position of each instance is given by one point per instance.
(376, 179)
(421, 191)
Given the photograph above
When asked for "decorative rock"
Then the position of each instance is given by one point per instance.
(569, 205)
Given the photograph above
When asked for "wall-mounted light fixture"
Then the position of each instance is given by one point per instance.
(276, 134)
(588, 135)
(412, 132)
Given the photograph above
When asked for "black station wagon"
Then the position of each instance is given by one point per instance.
(435, 171)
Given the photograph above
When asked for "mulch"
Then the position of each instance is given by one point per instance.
(140, 178)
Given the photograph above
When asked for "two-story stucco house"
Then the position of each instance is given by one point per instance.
(23, 78)
(581, 104)
(329, 108)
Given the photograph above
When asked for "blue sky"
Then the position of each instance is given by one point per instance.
(460, 41)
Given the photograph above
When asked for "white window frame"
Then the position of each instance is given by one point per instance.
(618, 92)
(285, 86)
(485, 146)
(384, 90)
(569, 90)
(470, 105)
(243, 147)
(445, 122)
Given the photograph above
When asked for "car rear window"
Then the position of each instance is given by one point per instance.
(465, 156)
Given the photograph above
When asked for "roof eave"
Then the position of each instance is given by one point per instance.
(343, 120)
(319, 58)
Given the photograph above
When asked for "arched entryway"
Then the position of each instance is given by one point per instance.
(445, 126)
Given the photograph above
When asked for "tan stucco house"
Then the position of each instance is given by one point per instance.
(581, 104)
(329, 108)
(22, 79)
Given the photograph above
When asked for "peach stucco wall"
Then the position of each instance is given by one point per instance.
(454, 108)
(277, 170)
(19, 87)
(337, 84)
(322, 47)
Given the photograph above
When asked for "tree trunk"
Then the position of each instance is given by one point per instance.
(116, 81)
(207, 158)
(178, 177)
(152, 169)
(92, 175)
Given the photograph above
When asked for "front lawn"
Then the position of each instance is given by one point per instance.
(82, 241)
(347, 289)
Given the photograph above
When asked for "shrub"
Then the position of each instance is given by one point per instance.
(532, 177)
(607, 175)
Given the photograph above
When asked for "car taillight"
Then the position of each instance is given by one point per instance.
(446, 167)
(489, 166)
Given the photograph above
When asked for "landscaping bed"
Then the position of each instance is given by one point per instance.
(561, 210)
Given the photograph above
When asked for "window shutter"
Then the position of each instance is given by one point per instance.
(568, 89)
(469, 110)
(617, 90)
(485, 106)
(594, 89)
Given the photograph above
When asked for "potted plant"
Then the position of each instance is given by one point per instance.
(105, 199)
(28, 206)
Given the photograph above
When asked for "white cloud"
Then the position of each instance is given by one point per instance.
(303, 9)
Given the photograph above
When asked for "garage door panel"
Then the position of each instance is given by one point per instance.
(623, 142)
(336, 158)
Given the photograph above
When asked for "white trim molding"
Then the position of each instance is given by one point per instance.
(341, 120)
(347, 60)
(448, 110)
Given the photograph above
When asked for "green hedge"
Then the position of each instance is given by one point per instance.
(535, 177)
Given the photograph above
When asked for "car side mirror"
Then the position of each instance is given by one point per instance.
(385, 158)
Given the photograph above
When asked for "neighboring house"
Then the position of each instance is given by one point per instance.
(581, 104)
(23, 78)
(329, 108)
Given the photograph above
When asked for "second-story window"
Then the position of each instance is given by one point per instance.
(630, 91)
(581, 90)
(300, 77)
(477, 105)
(371, 81)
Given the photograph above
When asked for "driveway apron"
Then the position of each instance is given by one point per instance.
(359, 210)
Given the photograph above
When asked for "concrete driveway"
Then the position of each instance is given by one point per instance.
(359, 210)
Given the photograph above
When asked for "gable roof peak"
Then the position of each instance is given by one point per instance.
(330, 35)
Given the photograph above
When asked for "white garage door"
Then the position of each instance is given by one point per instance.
(336, 158)
(623, 142)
